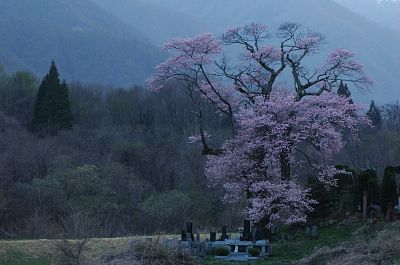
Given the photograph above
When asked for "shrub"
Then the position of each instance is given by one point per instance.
(254, 252)
(221, 251)
(158, 254)
(388, 191)
(71, 252)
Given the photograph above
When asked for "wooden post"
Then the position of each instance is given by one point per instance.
(365, 204)
(389, 212)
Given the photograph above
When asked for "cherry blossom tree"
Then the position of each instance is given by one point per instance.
(278, 132)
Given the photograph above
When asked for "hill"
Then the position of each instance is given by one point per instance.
(385, 12)
(88, 43)
(159, 23)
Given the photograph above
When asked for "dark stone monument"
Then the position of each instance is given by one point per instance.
(314, 231)
(224, 233)
(189, 229)
(213, 236)
(246, 231)
(183, 235)
(308, 231)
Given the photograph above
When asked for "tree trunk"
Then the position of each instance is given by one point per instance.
(365, 204)
(285, 166)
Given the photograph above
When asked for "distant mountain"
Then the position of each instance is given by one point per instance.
(385, 12)
(159, 23)
(376, 46)
(88, 43)
(108, 41)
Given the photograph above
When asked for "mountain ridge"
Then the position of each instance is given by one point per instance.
(88, 43)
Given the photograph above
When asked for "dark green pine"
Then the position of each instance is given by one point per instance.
(52, 111)
(375, 115)
(344, 91)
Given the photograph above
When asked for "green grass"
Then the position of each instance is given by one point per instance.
(298, 249)
(15, 257)
(287, 251)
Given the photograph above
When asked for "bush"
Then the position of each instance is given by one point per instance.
(388, 190)
(71, 252)
(254, 252)
(221, 251)
(158, 254)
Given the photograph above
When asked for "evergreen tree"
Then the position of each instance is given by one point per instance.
(344, 90)
(345, 194)
(320, 193)
(368, 189)
(63, 114)
(389, 191)
(52, 111)
(375, 115)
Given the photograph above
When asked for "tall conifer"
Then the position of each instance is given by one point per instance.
(52, 111)
(375, 115)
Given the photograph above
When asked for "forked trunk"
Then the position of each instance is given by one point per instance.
(285, 166)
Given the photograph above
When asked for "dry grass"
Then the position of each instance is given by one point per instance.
(383, 248)
(95, 248)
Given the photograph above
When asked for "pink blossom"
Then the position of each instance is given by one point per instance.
(283, 202)
(268, 54)
(244, 33)
(341, 63)
(309, 42)
(187, 57)
(310, 132)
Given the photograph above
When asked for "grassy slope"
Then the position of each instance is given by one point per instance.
(284, 252)
(41, 252)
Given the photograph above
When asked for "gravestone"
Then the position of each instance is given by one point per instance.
(189, 229)
(224, 235)
(308, 231)
(314, 231)
(183, 235)
(213, 236)
(246, 231)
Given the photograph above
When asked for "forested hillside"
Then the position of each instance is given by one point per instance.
(90, 44)
(158, 22)
(126, 167)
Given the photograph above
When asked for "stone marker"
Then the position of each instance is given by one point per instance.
(189, 229)
(314, 231)
(213, 236)
(224, 235)
(183, 235)
(246, 231)
(308, 231)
